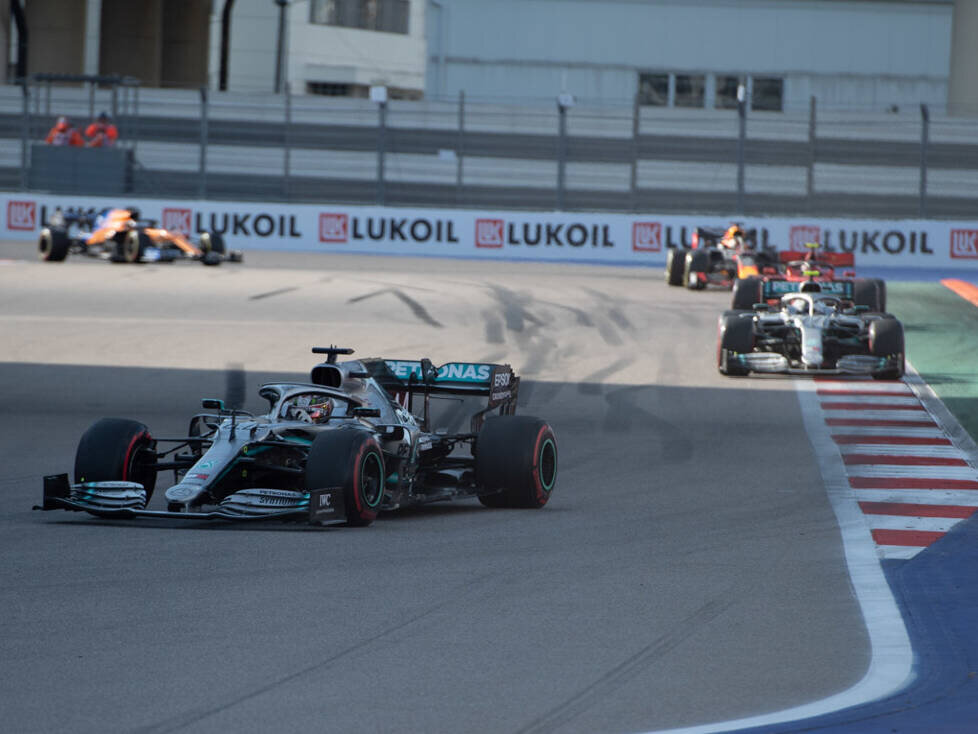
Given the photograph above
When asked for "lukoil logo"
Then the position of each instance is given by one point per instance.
(334, 227)
(801, 234)
(178, 220)
(489, 233)
(22, 215)
(964, 243)
(647, 236)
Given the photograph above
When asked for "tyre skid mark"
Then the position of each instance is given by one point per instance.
(416, 308)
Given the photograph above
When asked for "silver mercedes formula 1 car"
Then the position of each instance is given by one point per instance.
(359, 438)
(811, 332)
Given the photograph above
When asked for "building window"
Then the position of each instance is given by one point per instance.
(767, 94)
(690, 89)
(329, 89)
(726, 95)
(390, 16)
(653, 89)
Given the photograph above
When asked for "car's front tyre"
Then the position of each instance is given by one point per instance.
(117, 449)
(352, 460)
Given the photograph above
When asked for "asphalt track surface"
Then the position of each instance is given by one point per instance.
(688, 569)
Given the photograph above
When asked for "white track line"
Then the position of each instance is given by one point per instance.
(914, 432)
(883, 415)
(960, 497)
(876, 449)
(861, 386)
(897, 552)
(868, 400)
(922, 472)
(907, 522)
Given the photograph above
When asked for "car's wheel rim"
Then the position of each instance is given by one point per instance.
(547, 465)
(372, 480)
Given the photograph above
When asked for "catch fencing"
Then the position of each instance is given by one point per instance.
(470, 153)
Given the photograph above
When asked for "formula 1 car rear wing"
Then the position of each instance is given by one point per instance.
(835, 259)
(403, 379)
(774, 289)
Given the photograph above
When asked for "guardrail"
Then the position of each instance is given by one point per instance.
(299, 148)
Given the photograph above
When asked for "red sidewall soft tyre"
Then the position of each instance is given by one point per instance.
(516, 462)
(117, 449)
(350, 459)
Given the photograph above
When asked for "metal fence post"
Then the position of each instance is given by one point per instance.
(561, 154)
(924, 140)
(25, 135)
(810, 177)
(741, 137)
(381, 150)
(633, 182)
(287, 142)
(460, 148)
(135, 118)
(202, 174)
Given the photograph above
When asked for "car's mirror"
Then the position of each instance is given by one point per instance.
(860, 309)
(212, 404)
(391, 433)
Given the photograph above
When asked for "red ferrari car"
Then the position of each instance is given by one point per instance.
(813, 264)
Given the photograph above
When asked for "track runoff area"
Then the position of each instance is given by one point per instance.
(896, 464)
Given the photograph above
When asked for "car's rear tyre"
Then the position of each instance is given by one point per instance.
(117, 449)
(352, 460)
(515, 462)
(212, 242)
(866, 292)
(53, 245)
(675, 262)
(735, 335)
(886, 340)
(134, 246)
(695, 262)
(747, 292)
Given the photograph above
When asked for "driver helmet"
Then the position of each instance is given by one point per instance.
(320, 411)
(810, 286)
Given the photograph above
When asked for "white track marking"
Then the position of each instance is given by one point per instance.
(960, 497)
(898, 431)
(883, 415)
(876, 449)
(869, 400)
(921, 472)
(908, 522)
(861, 385)
(897, 552)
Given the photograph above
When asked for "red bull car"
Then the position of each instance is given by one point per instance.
(120, 235)
(718, 257)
